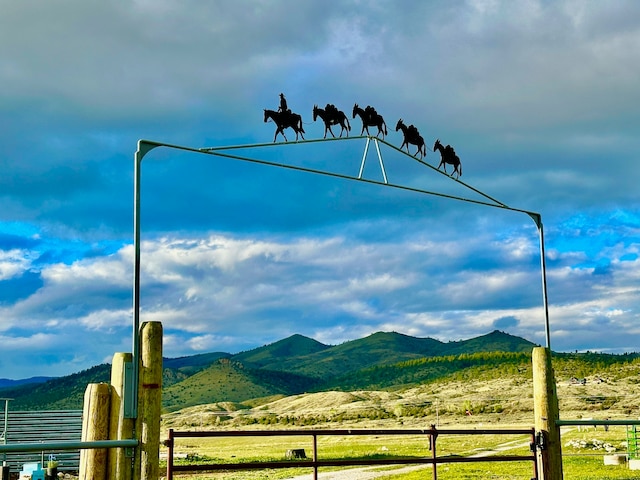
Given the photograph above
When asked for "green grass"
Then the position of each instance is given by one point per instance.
(574, 468)
(578, 464)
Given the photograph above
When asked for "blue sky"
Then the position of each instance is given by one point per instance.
(540, 100)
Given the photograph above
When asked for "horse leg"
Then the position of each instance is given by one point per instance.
(281, 130)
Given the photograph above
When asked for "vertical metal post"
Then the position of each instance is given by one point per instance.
(6, 424)
(537, 218)
(132, 386)
(131, 396)
(169, 444)
(315, 457)
(432, 442)
(535, 459)
(543, 266)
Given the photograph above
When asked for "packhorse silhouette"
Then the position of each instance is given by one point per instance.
(370, 118)
(411, 136)
(331, 116)
(448, 155)
(286, 119)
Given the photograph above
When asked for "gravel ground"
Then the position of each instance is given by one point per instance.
(364, 473)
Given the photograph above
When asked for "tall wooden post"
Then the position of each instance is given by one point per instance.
(95, 426)
(545, 410)
(120, 428)
(149, 402)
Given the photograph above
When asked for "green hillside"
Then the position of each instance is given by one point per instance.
(58, 393)
(230, 381)
(427, 369)
(271, 356)
(176, 370)
(495, 341)
(298, 354)
(297, 364)
(377, 349)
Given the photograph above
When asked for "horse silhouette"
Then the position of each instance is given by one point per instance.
(286, 119)
(411, 136)
(331, 116)
(370, 118)
(448, 155)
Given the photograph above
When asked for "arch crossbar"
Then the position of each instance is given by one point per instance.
(144, 146)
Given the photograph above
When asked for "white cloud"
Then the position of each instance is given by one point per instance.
(13, 263)
(538, 98)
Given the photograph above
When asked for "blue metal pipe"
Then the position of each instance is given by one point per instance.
(40, 447)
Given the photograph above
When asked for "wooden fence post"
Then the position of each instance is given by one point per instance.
(545, 410)
(120, 428)
(95, 426)
(147, 457)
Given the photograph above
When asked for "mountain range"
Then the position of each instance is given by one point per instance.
(289, 366)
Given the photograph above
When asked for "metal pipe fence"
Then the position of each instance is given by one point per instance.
(315, 463)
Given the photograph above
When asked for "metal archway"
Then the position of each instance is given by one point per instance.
(145, 146)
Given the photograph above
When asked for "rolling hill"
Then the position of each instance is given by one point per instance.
(292, 365)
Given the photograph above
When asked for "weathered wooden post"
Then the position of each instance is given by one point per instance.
(120, 428)
(147, 456)
(545, 410)
(95, 426)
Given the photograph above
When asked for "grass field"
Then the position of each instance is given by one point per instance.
(580, 459)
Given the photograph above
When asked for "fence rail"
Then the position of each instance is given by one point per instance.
(432, 434)
(41, 428)
(32, 436)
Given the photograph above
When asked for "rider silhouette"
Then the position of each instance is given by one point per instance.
(283, 104)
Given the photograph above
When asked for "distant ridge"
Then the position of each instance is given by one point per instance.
(7, 383)
(295, 364)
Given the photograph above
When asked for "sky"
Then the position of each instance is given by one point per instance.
(540, 100)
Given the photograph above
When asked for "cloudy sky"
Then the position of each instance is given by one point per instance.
(540, 100)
